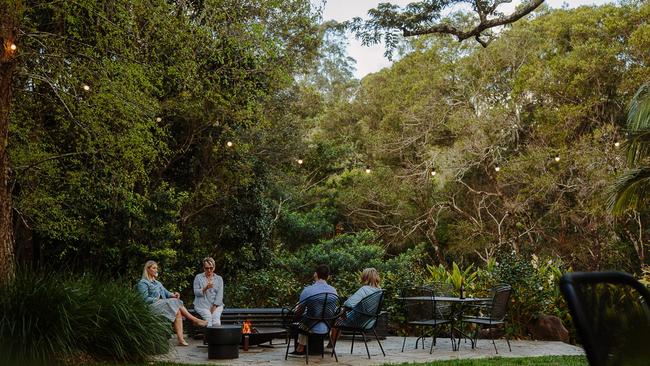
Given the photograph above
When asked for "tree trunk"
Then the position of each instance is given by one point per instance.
(8, 27)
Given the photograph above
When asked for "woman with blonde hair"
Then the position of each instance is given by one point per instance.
(370, 284)
(208, 293)
(164, 302)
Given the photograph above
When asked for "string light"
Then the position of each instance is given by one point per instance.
(497, 168)
(433, 172)
(13, 47)
(158, 119)
(368, 169)
(229, 143)
(299, 161)
(557, 157)
(86, 87)
(617, 144)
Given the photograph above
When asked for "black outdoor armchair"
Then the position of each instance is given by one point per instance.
(321, 308)
(423, 311)
(362, 319)
(491, 313)
(611, 313)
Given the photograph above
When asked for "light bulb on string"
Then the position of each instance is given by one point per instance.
(299, 161)
(497, 168)
(557, 157)
(229, 143)
(158, 119)
(13, 47)
(433, 172)
(368, 169)
(86, 87)
(617, 144)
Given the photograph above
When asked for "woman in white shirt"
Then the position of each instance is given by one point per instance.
(208, 293)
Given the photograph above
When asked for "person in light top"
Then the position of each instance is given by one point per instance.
(164, 302)
(370, 281)
(319, 286)
(208, 293)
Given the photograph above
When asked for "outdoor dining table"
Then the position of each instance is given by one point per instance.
(459, 304)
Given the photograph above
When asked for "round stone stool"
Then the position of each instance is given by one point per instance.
(223, 341)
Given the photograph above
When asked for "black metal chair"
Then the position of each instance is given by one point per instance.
(423, 311)
(362, 319)
(321, 308)
(611, 311)
(491, 314)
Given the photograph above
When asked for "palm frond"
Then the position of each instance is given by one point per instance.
(630, 191)
(638, 126)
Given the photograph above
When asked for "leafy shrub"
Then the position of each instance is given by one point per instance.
(267, 287)
(50, 316)
(536, 290)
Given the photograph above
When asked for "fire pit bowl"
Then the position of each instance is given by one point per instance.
(261, 335)
(223, 341)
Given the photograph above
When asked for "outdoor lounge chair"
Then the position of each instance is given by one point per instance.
(611, 311)
(321, 308)
(363, 319)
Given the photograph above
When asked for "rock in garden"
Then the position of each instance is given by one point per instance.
(548, 328)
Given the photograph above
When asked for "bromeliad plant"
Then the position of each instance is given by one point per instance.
(456, 277)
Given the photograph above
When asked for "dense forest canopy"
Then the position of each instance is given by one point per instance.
(153, 129)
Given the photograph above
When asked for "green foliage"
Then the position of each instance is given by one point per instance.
(308, 227)
(536, 290)
(455, 277)
(49, 316)
(631, 189)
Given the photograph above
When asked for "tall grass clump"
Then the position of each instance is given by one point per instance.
(48, 317)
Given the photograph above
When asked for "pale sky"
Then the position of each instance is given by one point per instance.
(371, 59)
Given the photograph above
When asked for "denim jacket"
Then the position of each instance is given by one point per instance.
(152, 291)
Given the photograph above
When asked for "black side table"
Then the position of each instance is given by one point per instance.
(223, 341)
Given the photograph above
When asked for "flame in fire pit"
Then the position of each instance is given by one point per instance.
(247, 328)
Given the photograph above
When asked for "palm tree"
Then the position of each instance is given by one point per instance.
(632, 188)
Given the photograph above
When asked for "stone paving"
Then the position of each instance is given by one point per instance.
(196, 353)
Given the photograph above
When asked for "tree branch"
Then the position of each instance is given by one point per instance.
(483, 25)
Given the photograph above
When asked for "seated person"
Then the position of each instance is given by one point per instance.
(164, 302)
(208, 293)
(319, 286)
(370, 281)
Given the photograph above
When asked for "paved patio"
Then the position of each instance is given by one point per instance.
(274, 355)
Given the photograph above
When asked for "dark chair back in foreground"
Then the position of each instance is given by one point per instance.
(612, 315)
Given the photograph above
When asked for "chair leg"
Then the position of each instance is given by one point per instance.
(365, 342)
(505, 330)
(434, 341)
(454, 346)
(334, 348)
(495, 346)
(352, 345)
(380, 347)
(307, 351)
(288, 344)
(403, 343)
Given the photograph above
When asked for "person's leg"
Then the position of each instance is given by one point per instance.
(178, 327)
(216, 316)
(334, 336)
(205, 314)
(192, 318)
(302, 341)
